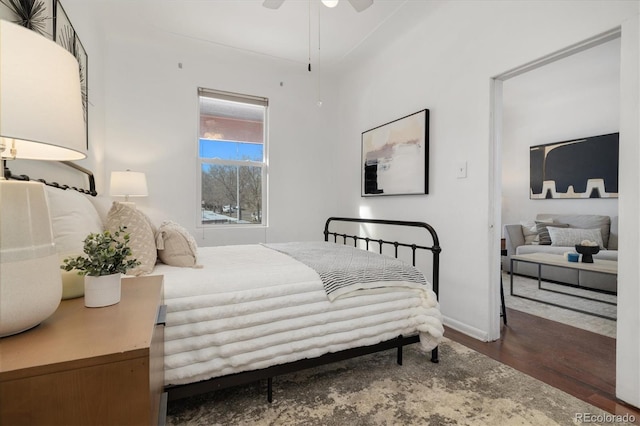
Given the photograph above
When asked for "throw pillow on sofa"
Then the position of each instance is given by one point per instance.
(569, 237)
(543, 231)
(530, 233)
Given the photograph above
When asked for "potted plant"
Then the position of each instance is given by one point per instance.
(108, 256)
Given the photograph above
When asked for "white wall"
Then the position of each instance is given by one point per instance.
(152, 119)
(575, 97)
(445, 63)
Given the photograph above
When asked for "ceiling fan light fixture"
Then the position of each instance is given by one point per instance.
(330, 3)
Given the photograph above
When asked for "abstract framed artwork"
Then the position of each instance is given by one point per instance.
(580, 168)
(395, 157)
(37, 15)
(66, 36)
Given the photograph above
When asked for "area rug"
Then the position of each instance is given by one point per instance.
(529, 287)
(465, 388)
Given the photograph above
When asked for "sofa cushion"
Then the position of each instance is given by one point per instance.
(607, 255)
(543, 249)
(569, 237)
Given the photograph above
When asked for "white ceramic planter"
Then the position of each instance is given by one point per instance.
(101, 291)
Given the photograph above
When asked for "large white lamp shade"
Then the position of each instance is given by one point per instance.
(41, 118)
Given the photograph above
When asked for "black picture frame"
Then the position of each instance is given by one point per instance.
(575, 169)
(65, 35)
(395, 157)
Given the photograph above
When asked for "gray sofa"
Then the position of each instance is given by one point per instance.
(515, 244)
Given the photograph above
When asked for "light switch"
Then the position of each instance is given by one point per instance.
(461, 170)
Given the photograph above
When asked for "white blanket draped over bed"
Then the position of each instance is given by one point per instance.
(251, 307)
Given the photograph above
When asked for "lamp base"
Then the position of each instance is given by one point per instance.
(31, 291)
(128, 203)
(29, 265)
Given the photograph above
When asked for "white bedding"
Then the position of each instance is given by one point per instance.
(250, 307)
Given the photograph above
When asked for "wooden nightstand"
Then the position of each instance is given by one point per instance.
(89, 366)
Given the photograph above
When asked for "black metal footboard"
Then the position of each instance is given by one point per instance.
(183, 391)
(435, 249)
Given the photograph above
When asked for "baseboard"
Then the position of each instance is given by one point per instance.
(466, 329)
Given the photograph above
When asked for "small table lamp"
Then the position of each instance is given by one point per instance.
(41, 118)
(128, 184)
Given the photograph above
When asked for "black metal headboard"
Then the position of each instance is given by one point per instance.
(434, 249)
(92, 183)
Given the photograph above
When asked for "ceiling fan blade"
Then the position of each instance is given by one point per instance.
(272, 4)
(359, 5)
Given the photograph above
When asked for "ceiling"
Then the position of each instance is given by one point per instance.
(284, 33)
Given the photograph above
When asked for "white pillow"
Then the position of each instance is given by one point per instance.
(530, 232)
(176, 247)
(142, 240)
(569, 237)
(73, 217)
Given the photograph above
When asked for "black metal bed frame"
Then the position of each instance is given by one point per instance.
(183, 391)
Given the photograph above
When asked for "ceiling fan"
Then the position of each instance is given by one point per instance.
(358, 5)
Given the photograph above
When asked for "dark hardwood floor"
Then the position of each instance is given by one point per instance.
(576, 361)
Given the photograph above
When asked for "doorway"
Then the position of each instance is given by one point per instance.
(571, 98)
(567, 95)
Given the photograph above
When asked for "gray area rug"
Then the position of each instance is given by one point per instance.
(529, 287)
(465, 388)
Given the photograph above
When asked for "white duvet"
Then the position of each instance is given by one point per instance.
(251, 307)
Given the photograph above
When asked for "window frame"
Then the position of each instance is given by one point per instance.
(264, 164)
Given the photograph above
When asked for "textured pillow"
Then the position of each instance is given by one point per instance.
(176, 247)
(543, 231)
(142, 241)
(569, 237)
(530, 233)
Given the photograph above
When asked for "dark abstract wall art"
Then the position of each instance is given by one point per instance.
(395, 157)
(580, 168)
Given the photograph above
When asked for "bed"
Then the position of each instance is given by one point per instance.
(229, 324)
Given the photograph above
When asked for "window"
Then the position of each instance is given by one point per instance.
(232, 157)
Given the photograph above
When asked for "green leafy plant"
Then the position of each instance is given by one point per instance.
(29, 13)
(106, 254)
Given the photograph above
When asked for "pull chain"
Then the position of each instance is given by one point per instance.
(319, 97)
(309, 66)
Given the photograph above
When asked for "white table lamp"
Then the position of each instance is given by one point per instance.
(41, 118)
(128, 184)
